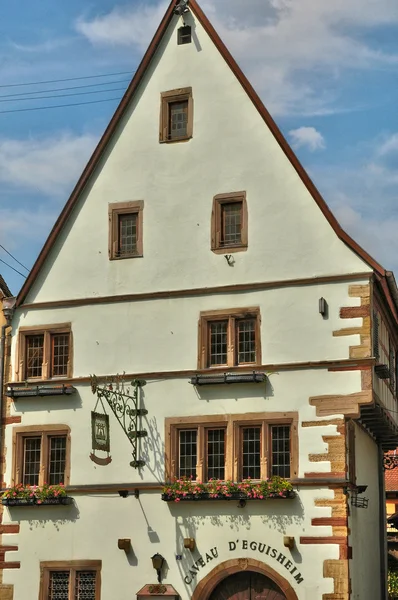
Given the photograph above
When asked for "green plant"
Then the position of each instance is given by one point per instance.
(19, 491)
(392, 582)
(216, 488)
(38, 493)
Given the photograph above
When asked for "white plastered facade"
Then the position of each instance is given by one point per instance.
(289, 239)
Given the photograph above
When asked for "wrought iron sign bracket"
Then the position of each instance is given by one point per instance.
(127, 411)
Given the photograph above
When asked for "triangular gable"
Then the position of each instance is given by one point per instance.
(90, 167)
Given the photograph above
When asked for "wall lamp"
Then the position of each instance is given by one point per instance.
(157, 563)
(323, 307)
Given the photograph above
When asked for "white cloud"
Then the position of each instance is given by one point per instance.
(389, 145)
(290, 49)
(123, 26)
(307, 137)
(49, 165)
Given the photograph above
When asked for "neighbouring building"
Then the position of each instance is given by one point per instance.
(198, 313)
(391, 483)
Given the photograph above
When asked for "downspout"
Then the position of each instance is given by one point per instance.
(382, 526)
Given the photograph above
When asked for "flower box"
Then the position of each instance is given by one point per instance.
(286, 495)
(184, 489)
(60, 500)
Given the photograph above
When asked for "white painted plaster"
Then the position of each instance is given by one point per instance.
(364, 523)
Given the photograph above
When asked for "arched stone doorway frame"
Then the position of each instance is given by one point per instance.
(236, 565)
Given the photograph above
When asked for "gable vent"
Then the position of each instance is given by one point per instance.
(184, 35)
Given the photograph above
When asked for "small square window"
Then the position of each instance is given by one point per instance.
(176, 115)
(72, 580)
(184, 35)
(125, 230)
(42, 455)
(229, 223)
(229, 338)
(45, 352)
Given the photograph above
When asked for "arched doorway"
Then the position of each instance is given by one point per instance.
(236, 566)
(247, 585)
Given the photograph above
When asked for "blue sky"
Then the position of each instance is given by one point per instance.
(327, 71)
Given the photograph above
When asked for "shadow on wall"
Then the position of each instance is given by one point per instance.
(151, 448)
(47, 403)
(277, 515)
(235, 391)
(41, 516)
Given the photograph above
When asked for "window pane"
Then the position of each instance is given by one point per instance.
(31, 460)
(218, 343)
(246, 333)
(57, 450)
(251, 452)
(34, 355)
(280, 459)
(128, 234)
(85, 585)
(178, 119)
(60, 354)
(231, 223)
(188, 453)
(59, 585)
(216, 454)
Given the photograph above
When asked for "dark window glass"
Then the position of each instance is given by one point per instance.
(34, 355)
(31, 460)
(246, 342)
(60, 354)
(57, 458)
(85, 585)
(59, 585)
(178, 119)
(128, 234)
(280, 458)
(188, 453)
(251, 449)
(231, 223)
(218, 343)
(216, 454)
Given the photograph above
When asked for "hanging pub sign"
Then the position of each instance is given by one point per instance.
(100, 431)
(100, 437)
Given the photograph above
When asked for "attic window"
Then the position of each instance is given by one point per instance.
(229, 223)
(125, 230)
(184, 35)
(176, 115)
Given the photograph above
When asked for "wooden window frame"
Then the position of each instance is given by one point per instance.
(72, 566)
(125, 208)
(167, 98)
(230, 315)
(233, 425)
(19, 434)
(216, 223)
(48, 331)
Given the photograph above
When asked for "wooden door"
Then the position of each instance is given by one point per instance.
(247, 585)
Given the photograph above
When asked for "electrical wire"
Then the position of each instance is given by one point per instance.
(65, 95)
(15, 110)
(76, 87)
(19, 272)
(9, 85)
(16, 260)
